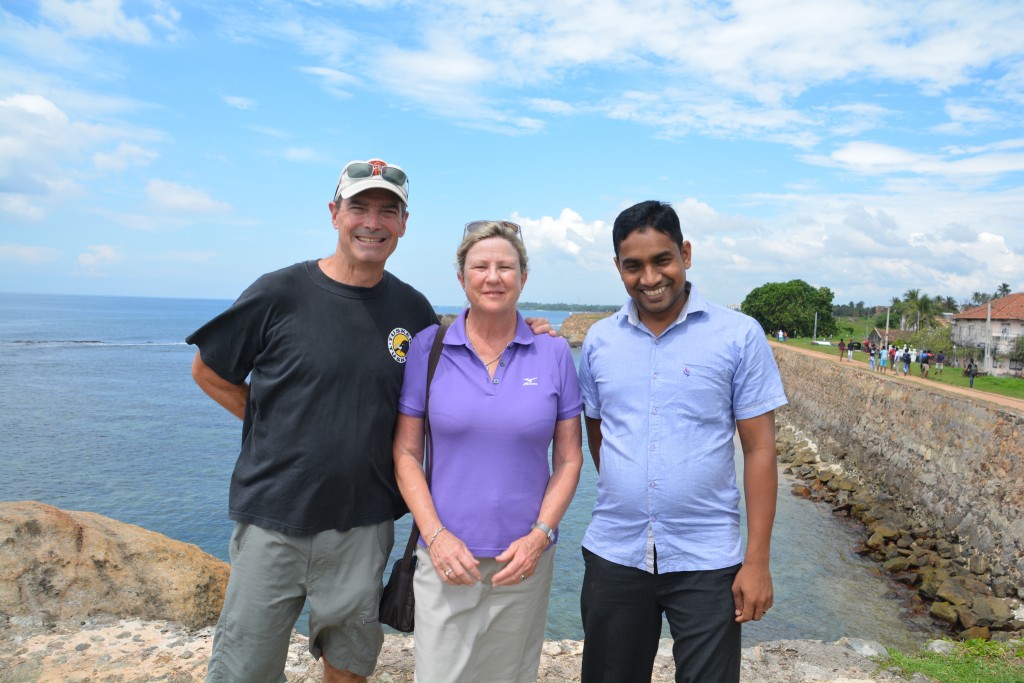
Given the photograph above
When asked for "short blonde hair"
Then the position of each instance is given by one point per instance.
(492, 229)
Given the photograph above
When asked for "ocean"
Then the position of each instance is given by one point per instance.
(98, 412)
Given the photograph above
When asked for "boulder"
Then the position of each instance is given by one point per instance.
(575, 327)
(61, 565)
(943, 611)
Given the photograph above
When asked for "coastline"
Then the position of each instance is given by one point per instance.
(109, 650)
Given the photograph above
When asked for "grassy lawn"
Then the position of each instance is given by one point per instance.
(1004, 386)
(975, 661)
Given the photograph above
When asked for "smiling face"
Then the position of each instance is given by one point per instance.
(369, 226)
(653, 269)
(492, 276)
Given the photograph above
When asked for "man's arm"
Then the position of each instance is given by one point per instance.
(230, 395)
(752, 589)
(594, 440)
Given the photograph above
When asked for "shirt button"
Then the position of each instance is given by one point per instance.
(654, 411)
(653, 448)
(502, 363)
(653, 484)
(496, 380)
(654, 375)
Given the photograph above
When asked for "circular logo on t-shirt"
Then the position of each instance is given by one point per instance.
(398, 344)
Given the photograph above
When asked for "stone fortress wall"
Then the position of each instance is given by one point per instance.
(950, 462)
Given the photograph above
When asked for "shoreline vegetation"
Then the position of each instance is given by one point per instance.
(576, 308)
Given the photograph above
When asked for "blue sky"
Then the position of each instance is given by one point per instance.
(180, 148)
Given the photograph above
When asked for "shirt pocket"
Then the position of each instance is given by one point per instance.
(704, 394)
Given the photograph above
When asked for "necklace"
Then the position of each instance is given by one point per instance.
(495, 360)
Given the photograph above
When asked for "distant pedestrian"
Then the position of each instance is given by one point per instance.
(842, 350)
(906, 361)
(940, 358)
(849, 351)
(871, 358)
(972, 372)
(785, 335)
(883, 361)
(925, 359)
(892, 357)
(782, 336)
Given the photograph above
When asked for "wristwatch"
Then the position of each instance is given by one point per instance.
(546, 529)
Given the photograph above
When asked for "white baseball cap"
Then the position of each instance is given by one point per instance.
(359, 176)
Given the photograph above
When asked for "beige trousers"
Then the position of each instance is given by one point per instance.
(480, 633)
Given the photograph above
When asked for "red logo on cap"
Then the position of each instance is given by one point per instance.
(378, 166)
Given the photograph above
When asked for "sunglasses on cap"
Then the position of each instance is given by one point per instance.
(361, 170)
(474, 226)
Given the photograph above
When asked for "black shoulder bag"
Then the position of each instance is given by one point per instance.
(397, 603)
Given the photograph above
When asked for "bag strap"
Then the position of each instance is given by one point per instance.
(428, 460)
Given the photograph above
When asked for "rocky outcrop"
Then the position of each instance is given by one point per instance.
(58, 565)
(139, 651)
(953, 464)
(575, 327)
(953, 584)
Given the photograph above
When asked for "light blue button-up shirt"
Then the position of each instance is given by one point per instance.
(668, 407)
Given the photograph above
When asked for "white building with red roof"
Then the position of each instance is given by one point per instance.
(998, 329)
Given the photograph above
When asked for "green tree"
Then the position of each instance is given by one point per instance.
(791, 306)
(1017, 352)
(979, 298)
(934, 339)
(1003, 290)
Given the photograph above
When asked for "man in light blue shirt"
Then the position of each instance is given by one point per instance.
(666, 383)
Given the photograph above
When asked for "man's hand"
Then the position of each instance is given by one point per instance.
(541, 326)
(752, 593)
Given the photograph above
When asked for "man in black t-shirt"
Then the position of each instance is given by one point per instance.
(313, 493)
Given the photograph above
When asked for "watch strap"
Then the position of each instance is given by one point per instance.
(548, 531)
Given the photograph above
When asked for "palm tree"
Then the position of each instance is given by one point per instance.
(1003, 290)
(979, 298)
(911, 310)
(949, 304)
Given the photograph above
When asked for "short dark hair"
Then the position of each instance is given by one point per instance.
(650, 214)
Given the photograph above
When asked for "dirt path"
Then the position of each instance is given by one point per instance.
(1014, 404)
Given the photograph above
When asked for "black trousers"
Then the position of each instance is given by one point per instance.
(622, 609)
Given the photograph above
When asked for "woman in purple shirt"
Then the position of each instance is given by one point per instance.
(499, 398)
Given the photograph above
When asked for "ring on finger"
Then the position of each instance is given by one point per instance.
(522, 577)
(448, 572)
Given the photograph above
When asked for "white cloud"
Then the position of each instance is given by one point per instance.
(170, 196)
(122, 157)
(243, 103)
(299, 154)
(757, 57)
(331, 80)
(96, 257)
(95, 19)
(875, 158)
(20, 207)
(550, 106)
(27, 254)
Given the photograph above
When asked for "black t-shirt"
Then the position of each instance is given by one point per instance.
(325, 363)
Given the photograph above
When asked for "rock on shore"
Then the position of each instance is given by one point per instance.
(133, 651)
(84, 598)
(576, 326)
(60, 565)
(960, 590)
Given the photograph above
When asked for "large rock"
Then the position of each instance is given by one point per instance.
(575, 327)
(62, 565)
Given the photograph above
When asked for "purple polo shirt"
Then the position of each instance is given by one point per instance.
(491, 436)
